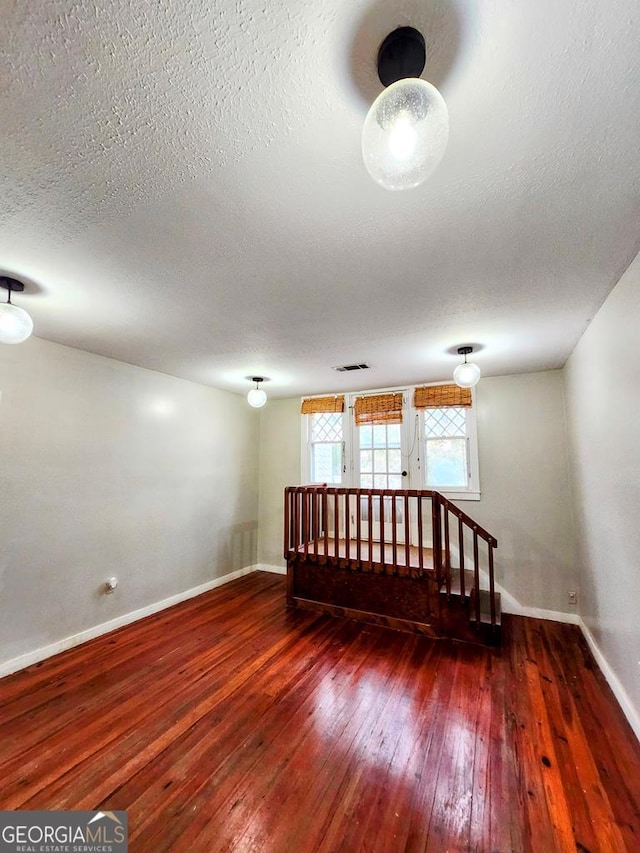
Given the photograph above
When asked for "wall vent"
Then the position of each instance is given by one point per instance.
(345, 367)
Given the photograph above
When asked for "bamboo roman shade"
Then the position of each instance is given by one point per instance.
(441, 397)
(316, 405)
(378, 409)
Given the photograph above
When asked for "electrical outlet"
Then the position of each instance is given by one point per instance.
(573, 597)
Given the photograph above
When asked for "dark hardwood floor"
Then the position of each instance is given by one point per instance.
(230, 724)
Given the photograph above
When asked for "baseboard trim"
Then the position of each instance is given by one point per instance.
(267, 567)
(538, 613)
(510, 604)
(23, 661)
(628, 709)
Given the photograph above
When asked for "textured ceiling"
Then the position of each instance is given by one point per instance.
(183, 189)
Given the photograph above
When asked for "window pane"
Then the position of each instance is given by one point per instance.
(446, 463)
(380, 481)
(393, 435)
(365, 436)
(366, 481)
(379, 435)
(326, 426)
(366, 461)
(380, 461)
(395, 481)
(326, 462)
(440, 423)
(395, 462)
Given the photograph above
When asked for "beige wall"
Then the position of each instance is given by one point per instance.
(603, 406)
(108, 469)
(525, 499)
(279, 467)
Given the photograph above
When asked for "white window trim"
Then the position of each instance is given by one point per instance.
(413, 431)
(305, 450)
(472, 493)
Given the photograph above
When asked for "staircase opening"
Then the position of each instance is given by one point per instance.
(409, 559)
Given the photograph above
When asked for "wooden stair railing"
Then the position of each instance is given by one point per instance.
(443, 509)
(392, 533)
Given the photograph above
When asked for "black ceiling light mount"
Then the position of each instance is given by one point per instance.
(11, 284)
(405, 133)
(402, 54)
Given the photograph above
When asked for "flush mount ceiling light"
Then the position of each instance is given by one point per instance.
(257, 397)
(406, 130)
(15, 324)
(467, 374)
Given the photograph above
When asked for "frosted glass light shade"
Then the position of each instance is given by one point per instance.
(15, 324)
(405, 134)
(466, 375)
(256, 398)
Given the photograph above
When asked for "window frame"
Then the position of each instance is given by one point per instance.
(414, 439)
(354, 438)
(472, 492)
(306, 446)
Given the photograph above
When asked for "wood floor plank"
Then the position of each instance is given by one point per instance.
(228, 723)
(507, 801)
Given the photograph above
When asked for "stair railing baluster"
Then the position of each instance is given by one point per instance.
(296, 522)
(435, 538)
(316, 523)
(305, 523)
(359, 528)
(287, 521)
(325, 526)
(447, 549)
(407, 536)
(476, 577)
(336, 526)
(381, 505)
(347, 527)
(370, 526)
(394, 534)
(420, 541)
(463, 592)
(492, 588)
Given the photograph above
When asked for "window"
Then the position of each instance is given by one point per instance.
(450, 451)
(380, 456)
(325, 444)
(427, 442)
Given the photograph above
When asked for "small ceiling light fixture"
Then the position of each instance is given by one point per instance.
(406, 130)
(467, 374)
(15, 324)
(257, 397)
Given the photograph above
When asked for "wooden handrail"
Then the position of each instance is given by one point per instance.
(466, 519)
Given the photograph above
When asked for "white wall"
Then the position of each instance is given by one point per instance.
(524, 478)
(279, 467)
(108, 469)
(603, 407)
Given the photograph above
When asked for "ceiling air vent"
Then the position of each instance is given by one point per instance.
(343, 368)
